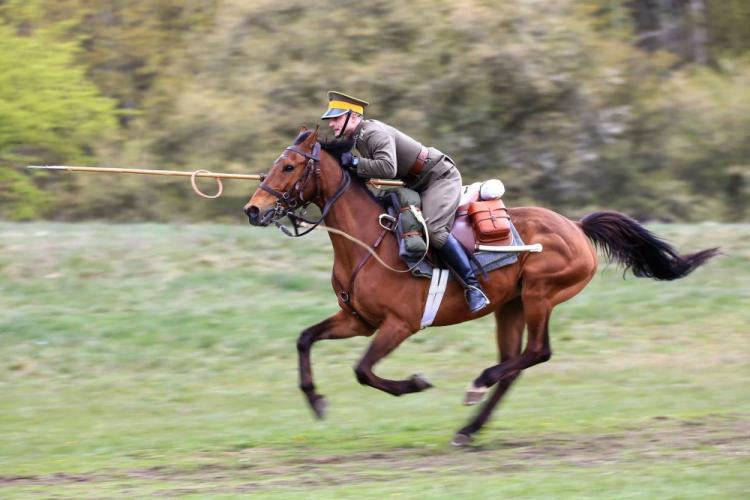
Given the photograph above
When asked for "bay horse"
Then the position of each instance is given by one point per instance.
(378, 302)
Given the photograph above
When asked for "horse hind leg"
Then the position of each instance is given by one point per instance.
(537, 311)
(390, 335)
(510, 322)
(339, 326)
(536, 303)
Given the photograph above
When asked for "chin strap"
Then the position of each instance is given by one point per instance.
(346, 122)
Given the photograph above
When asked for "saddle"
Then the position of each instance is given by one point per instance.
(481, 218)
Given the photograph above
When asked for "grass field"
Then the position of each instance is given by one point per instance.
(160, 360)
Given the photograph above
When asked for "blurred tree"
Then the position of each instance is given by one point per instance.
(700, 31)
(127, 47)
(575, 104)
(708, 138)
(49, 112)
(524, 90)
(728, 23)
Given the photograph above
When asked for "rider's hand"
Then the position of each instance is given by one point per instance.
(349, 161)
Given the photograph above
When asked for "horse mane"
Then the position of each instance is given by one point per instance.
(334, 147)
(337, 147)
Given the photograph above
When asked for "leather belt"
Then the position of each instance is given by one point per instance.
(418, 166)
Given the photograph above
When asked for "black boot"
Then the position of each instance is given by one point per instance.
(455, 256)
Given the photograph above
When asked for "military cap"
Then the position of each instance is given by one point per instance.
(339, 103)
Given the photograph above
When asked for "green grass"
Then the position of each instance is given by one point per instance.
(140, 360)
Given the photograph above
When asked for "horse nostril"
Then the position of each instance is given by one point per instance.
(252, 214)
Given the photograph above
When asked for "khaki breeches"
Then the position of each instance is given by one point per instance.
(439, 203)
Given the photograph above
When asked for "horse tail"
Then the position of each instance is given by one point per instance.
(630, 244)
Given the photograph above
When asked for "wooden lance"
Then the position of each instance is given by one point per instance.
(193, 175)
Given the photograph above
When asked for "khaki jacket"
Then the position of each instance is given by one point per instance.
(388, 153)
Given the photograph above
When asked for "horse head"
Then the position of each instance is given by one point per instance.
(293, 181)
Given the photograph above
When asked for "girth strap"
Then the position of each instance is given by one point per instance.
(345, 294)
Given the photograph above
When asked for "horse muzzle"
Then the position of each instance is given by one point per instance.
(256, 217)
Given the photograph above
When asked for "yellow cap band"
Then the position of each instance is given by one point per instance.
(346, 105)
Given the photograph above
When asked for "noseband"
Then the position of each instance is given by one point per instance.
(294, 198)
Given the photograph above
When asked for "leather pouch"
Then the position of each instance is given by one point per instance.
(490, 220)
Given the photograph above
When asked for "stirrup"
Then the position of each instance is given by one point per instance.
(470, 288)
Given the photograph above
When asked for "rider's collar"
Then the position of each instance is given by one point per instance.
(357, 134)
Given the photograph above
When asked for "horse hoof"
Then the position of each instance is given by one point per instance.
(320, 406)
(421, 381)
(461, 439)
(474, 395)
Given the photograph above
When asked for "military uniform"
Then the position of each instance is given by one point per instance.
(390, 154)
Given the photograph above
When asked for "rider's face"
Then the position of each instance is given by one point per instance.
(338, 123)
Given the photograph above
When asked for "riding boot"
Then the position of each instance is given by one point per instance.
(454, 255)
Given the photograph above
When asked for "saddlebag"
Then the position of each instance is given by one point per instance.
(490, 220)
(410, 232)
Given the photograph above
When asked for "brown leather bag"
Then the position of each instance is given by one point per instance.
(490, 220)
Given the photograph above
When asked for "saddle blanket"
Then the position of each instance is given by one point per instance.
(489, 260)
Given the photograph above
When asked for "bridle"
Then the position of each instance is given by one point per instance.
(288, 202)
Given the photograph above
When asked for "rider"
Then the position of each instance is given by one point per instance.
(389, 153)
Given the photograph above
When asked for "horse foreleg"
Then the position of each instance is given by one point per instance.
(389, 336)
(339, 326)
(510, 324)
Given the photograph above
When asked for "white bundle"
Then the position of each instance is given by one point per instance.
(492, 189)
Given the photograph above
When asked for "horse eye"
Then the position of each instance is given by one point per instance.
(288, 168)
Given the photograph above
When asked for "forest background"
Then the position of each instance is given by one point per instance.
(641, 106)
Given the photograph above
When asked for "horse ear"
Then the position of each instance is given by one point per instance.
(302, 129)
(311, 139)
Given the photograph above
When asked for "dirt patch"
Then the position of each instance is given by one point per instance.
(710, 437)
